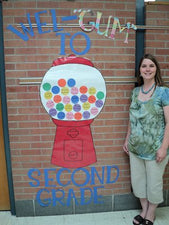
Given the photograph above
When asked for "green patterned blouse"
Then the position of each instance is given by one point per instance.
(147, 123)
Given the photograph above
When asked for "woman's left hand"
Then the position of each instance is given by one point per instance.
(161, 154)
(162, 151)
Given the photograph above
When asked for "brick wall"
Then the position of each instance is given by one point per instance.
(31, 129)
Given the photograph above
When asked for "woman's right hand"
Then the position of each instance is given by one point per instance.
(125, 147)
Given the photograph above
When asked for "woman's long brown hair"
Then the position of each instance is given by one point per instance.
(158, 79)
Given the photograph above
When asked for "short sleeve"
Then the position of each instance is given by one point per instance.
(165, 97)
(131, 96)
(134, 93)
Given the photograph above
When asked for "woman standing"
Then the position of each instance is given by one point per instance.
(147, 140)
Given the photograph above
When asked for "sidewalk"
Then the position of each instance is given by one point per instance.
(108, 218)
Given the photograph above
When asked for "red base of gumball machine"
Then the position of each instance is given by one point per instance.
(73, 145)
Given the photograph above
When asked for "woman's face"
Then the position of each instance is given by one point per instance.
(148, 70)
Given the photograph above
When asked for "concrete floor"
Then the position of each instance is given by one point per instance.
(108, 218)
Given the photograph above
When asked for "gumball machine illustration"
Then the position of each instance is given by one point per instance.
(73, 93)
